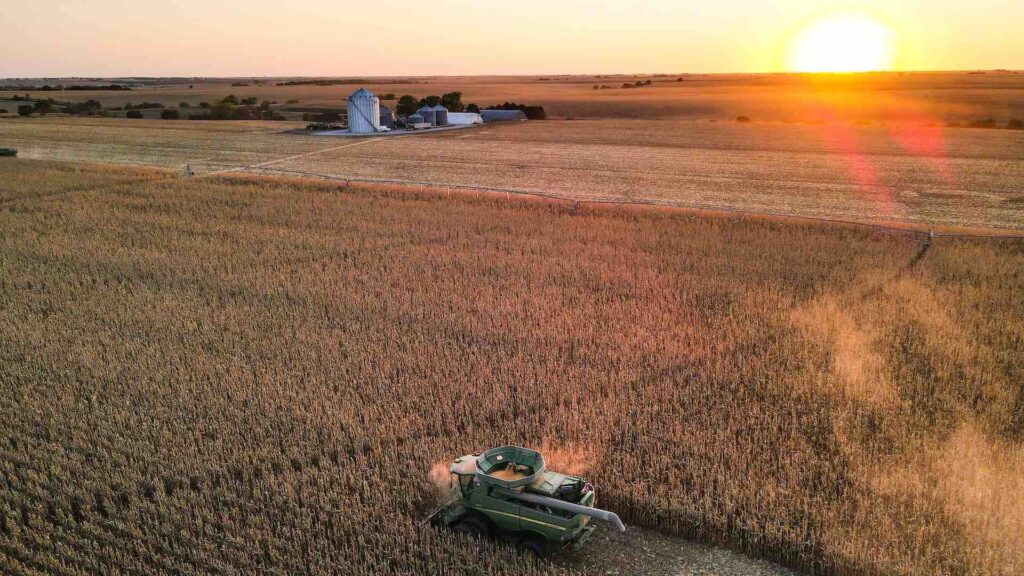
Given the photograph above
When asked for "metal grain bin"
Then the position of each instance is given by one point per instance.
(441, 115)
(429, 116)
(387, 117)
(363, 112)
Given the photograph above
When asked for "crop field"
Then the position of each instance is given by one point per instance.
(917, 174)
(929, 97)
(243, 374)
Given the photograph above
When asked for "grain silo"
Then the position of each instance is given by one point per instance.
(441, 115)
(387, 117)
(363, 112)
(429, 116)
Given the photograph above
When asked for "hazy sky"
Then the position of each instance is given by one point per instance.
(400, 37)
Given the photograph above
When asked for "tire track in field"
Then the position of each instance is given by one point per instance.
(287, 158)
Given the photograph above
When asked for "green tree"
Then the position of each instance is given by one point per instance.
(232, 99)
(223, 111)
(44, 106)
(25, 110)
(452, 101)
(407, 104)
(89, 107)
(430, 101)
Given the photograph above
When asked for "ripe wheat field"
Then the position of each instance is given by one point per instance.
(241, 374)
(927, 176)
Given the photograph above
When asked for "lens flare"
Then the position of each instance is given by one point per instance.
(850, 43)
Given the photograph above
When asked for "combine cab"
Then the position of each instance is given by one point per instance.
(507, 492)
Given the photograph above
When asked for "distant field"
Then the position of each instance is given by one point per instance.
(901, 173)
(255, 376)
(925, 98)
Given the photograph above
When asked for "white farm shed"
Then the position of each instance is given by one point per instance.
(464, 118)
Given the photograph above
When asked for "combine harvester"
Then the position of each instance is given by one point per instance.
(507, 492)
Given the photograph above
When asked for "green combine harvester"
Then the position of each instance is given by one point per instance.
(507, 492)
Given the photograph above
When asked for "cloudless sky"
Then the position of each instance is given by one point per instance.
(401, 37)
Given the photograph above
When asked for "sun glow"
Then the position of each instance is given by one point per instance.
(850, 43)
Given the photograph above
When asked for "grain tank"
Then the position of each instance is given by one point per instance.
(363, 112)
(440, 115)
(429, 116)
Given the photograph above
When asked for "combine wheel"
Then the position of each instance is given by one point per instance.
(535, 546)
(471, 526)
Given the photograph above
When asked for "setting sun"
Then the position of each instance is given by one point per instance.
(842, 44)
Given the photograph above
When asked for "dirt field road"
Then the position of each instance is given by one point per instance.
(640, 552)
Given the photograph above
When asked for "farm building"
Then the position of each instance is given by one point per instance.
(502, 115)
(464, 118)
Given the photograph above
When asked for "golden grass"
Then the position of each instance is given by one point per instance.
(247, 374)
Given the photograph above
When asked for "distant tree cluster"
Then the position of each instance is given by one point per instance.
(87, 108)
(61, 87)
(452, 101)
(991, 123)
(232, 108)
(321, 82)
(44, 107)
(322, 117)
(229, 108)
(532, 112)
(141, 106)
(638, 84)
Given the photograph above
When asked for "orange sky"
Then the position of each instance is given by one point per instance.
(340, 37)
